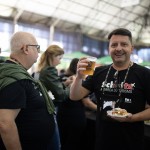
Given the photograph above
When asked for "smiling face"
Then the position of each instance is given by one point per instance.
(120, 49)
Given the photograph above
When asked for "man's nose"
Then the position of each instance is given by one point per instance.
(119, 47)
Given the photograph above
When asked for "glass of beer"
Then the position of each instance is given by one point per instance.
(91, 66)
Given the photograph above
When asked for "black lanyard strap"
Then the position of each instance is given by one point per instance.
(121, 87)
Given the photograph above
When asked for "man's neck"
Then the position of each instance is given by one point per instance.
(119, 66)
(14, 60)
(17, 62)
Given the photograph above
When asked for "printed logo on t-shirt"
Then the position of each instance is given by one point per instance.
(112, 87)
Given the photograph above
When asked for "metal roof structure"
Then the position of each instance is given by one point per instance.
(95, 18)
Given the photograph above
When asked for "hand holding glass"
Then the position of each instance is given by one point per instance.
(91, 66)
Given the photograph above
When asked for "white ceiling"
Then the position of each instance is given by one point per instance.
(95, 18)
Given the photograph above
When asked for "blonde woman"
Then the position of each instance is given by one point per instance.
(49, 74)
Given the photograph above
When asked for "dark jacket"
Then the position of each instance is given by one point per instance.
(49, 77)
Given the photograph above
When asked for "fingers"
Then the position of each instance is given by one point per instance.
(81, 66)
(83, 62)
(122, 119)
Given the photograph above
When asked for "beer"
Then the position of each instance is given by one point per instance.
(91, 66)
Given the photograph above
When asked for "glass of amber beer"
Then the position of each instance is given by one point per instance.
(91, 66)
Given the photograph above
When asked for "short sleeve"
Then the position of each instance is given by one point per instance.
(12, 96)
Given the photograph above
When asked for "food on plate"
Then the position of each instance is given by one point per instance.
(147, 122)
(119, 112)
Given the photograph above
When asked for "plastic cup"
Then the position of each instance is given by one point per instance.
(91, 66)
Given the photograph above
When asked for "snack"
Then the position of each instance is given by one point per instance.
(147, 122)
(119, 112)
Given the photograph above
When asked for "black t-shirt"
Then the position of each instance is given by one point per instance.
(135, 93)
(35, 124)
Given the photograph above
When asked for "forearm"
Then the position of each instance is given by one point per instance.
(75, 89)
(88, 103)
(141, 116)
(10, 137)
(91, 105)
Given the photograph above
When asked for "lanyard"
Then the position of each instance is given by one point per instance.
(121, 87)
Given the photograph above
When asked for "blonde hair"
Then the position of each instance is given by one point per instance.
(47, 57)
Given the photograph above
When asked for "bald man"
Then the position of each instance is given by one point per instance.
(26, 114)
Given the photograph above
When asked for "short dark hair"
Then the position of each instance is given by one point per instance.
(121, 31)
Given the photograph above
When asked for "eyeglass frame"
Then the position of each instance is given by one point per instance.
(37, 47)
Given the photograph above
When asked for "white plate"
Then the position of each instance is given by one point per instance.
(147, 122)
(109, 113)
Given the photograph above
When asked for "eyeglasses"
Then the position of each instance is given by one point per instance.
(37, 47)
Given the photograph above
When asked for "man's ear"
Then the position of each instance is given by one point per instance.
(25, 49)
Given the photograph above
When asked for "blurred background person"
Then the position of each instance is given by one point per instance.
(49, 73)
